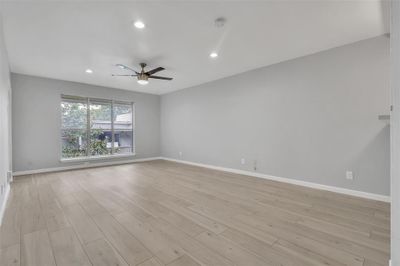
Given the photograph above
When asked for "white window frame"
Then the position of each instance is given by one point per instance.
(89, 157)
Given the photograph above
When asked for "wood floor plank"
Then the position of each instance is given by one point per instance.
(67, 199)
(313, 258)
(10, 256)
(152, 262)
(184, 261)
(231, 250)
(57, 222)
(62, 188)
(129, 205)
(90, 205)
(36, 249)
(46, 194)
(157, 210)
(151, 238)
(51, 209)
(205, 222)
(227, 219)
(350, 235)
(32, 218)
(264, 250)
(292, 233)
(83, 225)
(10, 230)
(127, 245)
(67, 248)
(104, 199)
(380, 236)
(102, 254)
(194, 248)
(355, 216)
(372, 263)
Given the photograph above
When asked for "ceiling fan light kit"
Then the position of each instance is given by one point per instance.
(142, 79)
(142, 76)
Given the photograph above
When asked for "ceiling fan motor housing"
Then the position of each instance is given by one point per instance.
(142, 76)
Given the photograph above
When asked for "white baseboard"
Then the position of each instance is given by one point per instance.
(82, 166)
(345, 191)
(4, 203)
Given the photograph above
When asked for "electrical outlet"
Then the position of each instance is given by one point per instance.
(180, 154)
(349, 175)
(243, 161)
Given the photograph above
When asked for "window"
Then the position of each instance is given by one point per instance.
(74, 128)
(95, 127)
(123, 128)
(100, 137)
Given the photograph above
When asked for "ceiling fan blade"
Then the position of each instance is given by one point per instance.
(158, 77)
(151, 72)
(126, 67)
(123, 75)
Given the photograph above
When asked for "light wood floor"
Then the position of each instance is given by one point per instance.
(163, 213)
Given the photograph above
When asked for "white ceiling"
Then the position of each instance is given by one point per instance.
(60, 40)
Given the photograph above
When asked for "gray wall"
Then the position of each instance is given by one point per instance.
(395, 133)
(5, 118)
(37, 119)
(310, 119)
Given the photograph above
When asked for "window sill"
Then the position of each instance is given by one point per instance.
(96, 158)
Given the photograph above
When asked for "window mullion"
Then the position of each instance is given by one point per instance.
(112, 128)
(88, 127)
(133, 148)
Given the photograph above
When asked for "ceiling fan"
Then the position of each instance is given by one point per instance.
(142, 76)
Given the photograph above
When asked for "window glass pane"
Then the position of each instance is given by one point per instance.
(73, 114)
(100, 128)
(123, 128)
(74, 143)
(123, 142)
(74, 126)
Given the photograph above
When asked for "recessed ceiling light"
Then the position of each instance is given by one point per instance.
(139, 24)
(89, 71)
(213, 55)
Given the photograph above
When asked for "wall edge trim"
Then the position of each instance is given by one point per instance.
(82, 166)
(4, 204)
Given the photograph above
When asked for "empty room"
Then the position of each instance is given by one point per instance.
(200, 133)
